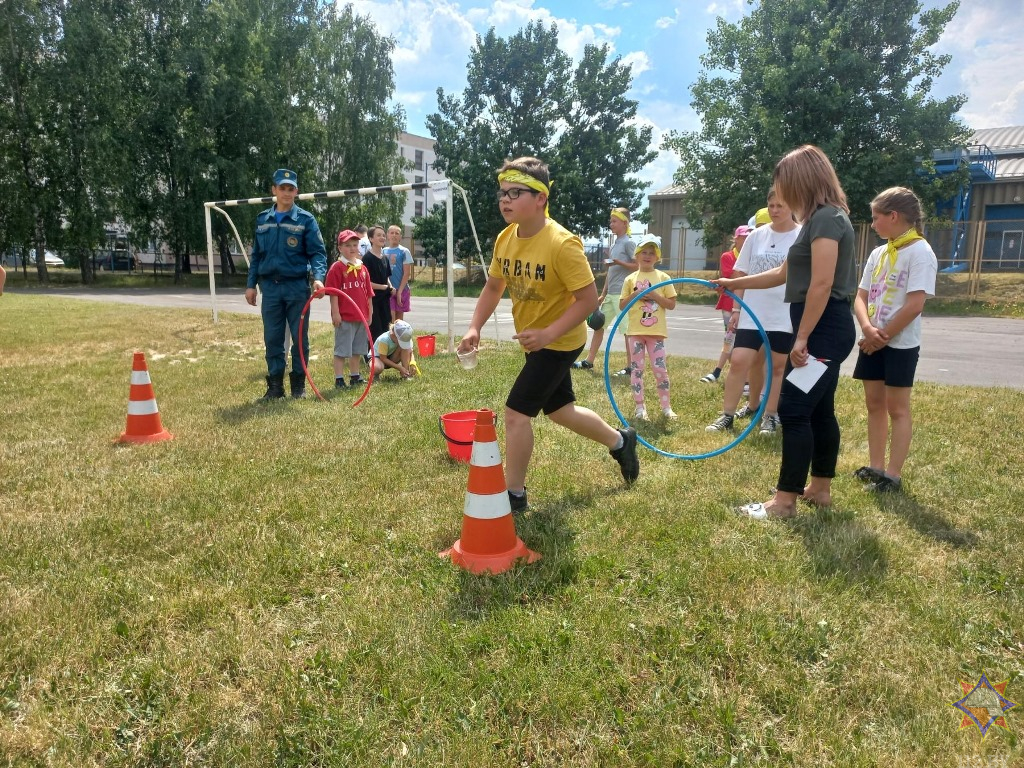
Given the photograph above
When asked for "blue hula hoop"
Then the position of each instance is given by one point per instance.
(608, 381)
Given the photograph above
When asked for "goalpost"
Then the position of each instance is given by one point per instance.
(440, 188)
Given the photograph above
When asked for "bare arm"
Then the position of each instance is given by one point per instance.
(873, 339)
(769, 279)
(532, 339)
(406, 274)
(912, 307)
(335, 311)
(485, 306)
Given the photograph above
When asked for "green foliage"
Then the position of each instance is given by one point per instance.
(431, 232)
(143, 110)
(853, 77)
(523, 97)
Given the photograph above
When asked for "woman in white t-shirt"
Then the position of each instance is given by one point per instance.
(898, 277)
(765, 248)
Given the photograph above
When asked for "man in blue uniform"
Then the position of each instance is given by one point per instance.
(288, 248)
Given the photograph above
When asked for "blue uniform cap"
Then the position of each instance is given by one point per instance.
(285, 176)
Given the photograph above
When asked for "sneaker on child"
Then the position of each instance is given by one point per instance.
(723, 423)
(518, 502)
(626, 456)
(747, 411)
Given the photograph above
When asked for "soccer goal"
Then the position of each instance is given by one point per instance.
(442, 189)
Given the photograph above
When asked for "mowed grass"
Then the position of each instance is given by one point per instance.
(265, 590)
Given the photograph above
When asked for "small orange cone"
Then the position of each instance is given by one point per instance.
(488, 542)
(143, 415)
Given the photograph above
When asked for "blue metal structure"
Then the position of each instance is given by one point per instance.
(980, 162)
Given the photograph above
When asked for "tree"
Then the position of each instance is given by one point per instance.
(523, 97)
(87, 164)
(852, 76)
(28, 34)
(357, 132)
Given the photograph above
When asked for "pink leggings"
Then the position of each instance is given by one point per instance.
(655, 347)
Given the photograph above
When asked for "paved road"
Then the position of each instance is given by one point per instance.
(957, 350)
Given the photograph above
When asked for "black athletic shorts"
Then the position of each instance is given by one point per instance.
(544, 384)
(781, 342)
(896, 367)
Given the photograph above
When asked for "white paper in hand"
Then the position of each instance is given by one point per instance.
(805, 377)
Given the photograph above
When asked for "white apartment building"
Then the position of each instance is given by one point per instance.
(419, 150)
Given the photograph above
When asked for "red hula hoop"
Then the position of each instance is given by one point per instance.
(366, 325)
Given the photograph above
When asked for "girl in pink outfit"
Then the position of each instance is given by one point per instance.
(647, 326)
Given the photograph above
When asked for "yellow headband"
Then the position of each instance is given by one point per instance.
(617, 214)
(512, 176)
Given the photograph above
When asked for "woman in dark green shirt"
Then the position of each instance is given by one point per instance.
(820, 274)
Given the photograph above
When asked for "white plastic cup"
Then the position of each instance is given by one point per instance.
(468, 359)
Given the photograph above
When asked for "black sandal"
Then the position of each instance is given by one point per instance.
(869, 474)
(886, 485)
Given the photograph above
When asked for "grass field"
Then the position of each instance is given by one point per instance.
(264, 590)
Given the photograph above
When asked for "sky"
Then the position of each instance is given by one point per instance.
(663, 40)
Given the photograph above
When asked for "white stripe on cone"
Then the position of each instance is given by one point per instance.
(140, 377)
(142, 407)
(486, 454)
(487, 507)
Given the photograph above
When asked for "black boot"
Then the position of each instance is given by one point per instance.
(275, 387)
(298, 383)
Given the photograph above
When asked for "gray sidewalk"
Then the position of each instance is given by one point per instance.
(978, 351)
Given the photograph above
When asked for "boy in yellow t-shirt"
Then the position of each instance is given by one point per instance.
(647, 326)
(553, 290)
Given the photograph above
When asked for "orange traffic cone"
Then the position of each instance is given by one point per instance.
(489, 542)
(143, 415)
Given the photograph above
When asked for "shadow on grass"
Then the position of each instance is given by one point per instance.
(925, 521)
(544, 530)
(841, 548)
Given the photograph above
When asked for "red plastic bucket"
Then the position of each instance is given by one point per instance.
(425, 345)
(457, 429)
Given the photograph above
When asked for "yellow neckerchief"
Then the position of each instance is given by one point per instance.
(887, 261)
(513, 176)
(352, 269)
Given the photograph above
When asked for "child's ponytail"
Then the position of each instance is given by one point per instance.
(902, 201)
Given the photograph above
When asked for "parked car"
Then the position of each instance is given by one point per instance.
(49, 257)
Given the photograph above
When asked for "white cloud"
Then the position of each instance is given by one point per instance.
(729, 9)
(987, 60)
(508, 16)
(662, 117)
(639, 61)
(667, 21)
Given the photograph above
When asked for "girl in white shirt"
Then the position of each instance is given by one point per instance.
(898, 277)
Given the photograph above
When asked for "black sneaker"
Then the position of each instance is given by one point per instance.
(340, 383)
(585, 365)
(625, 371)
(518, 503)
(356, 378)
(723, 423)
(748, 410)
(626, 456)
